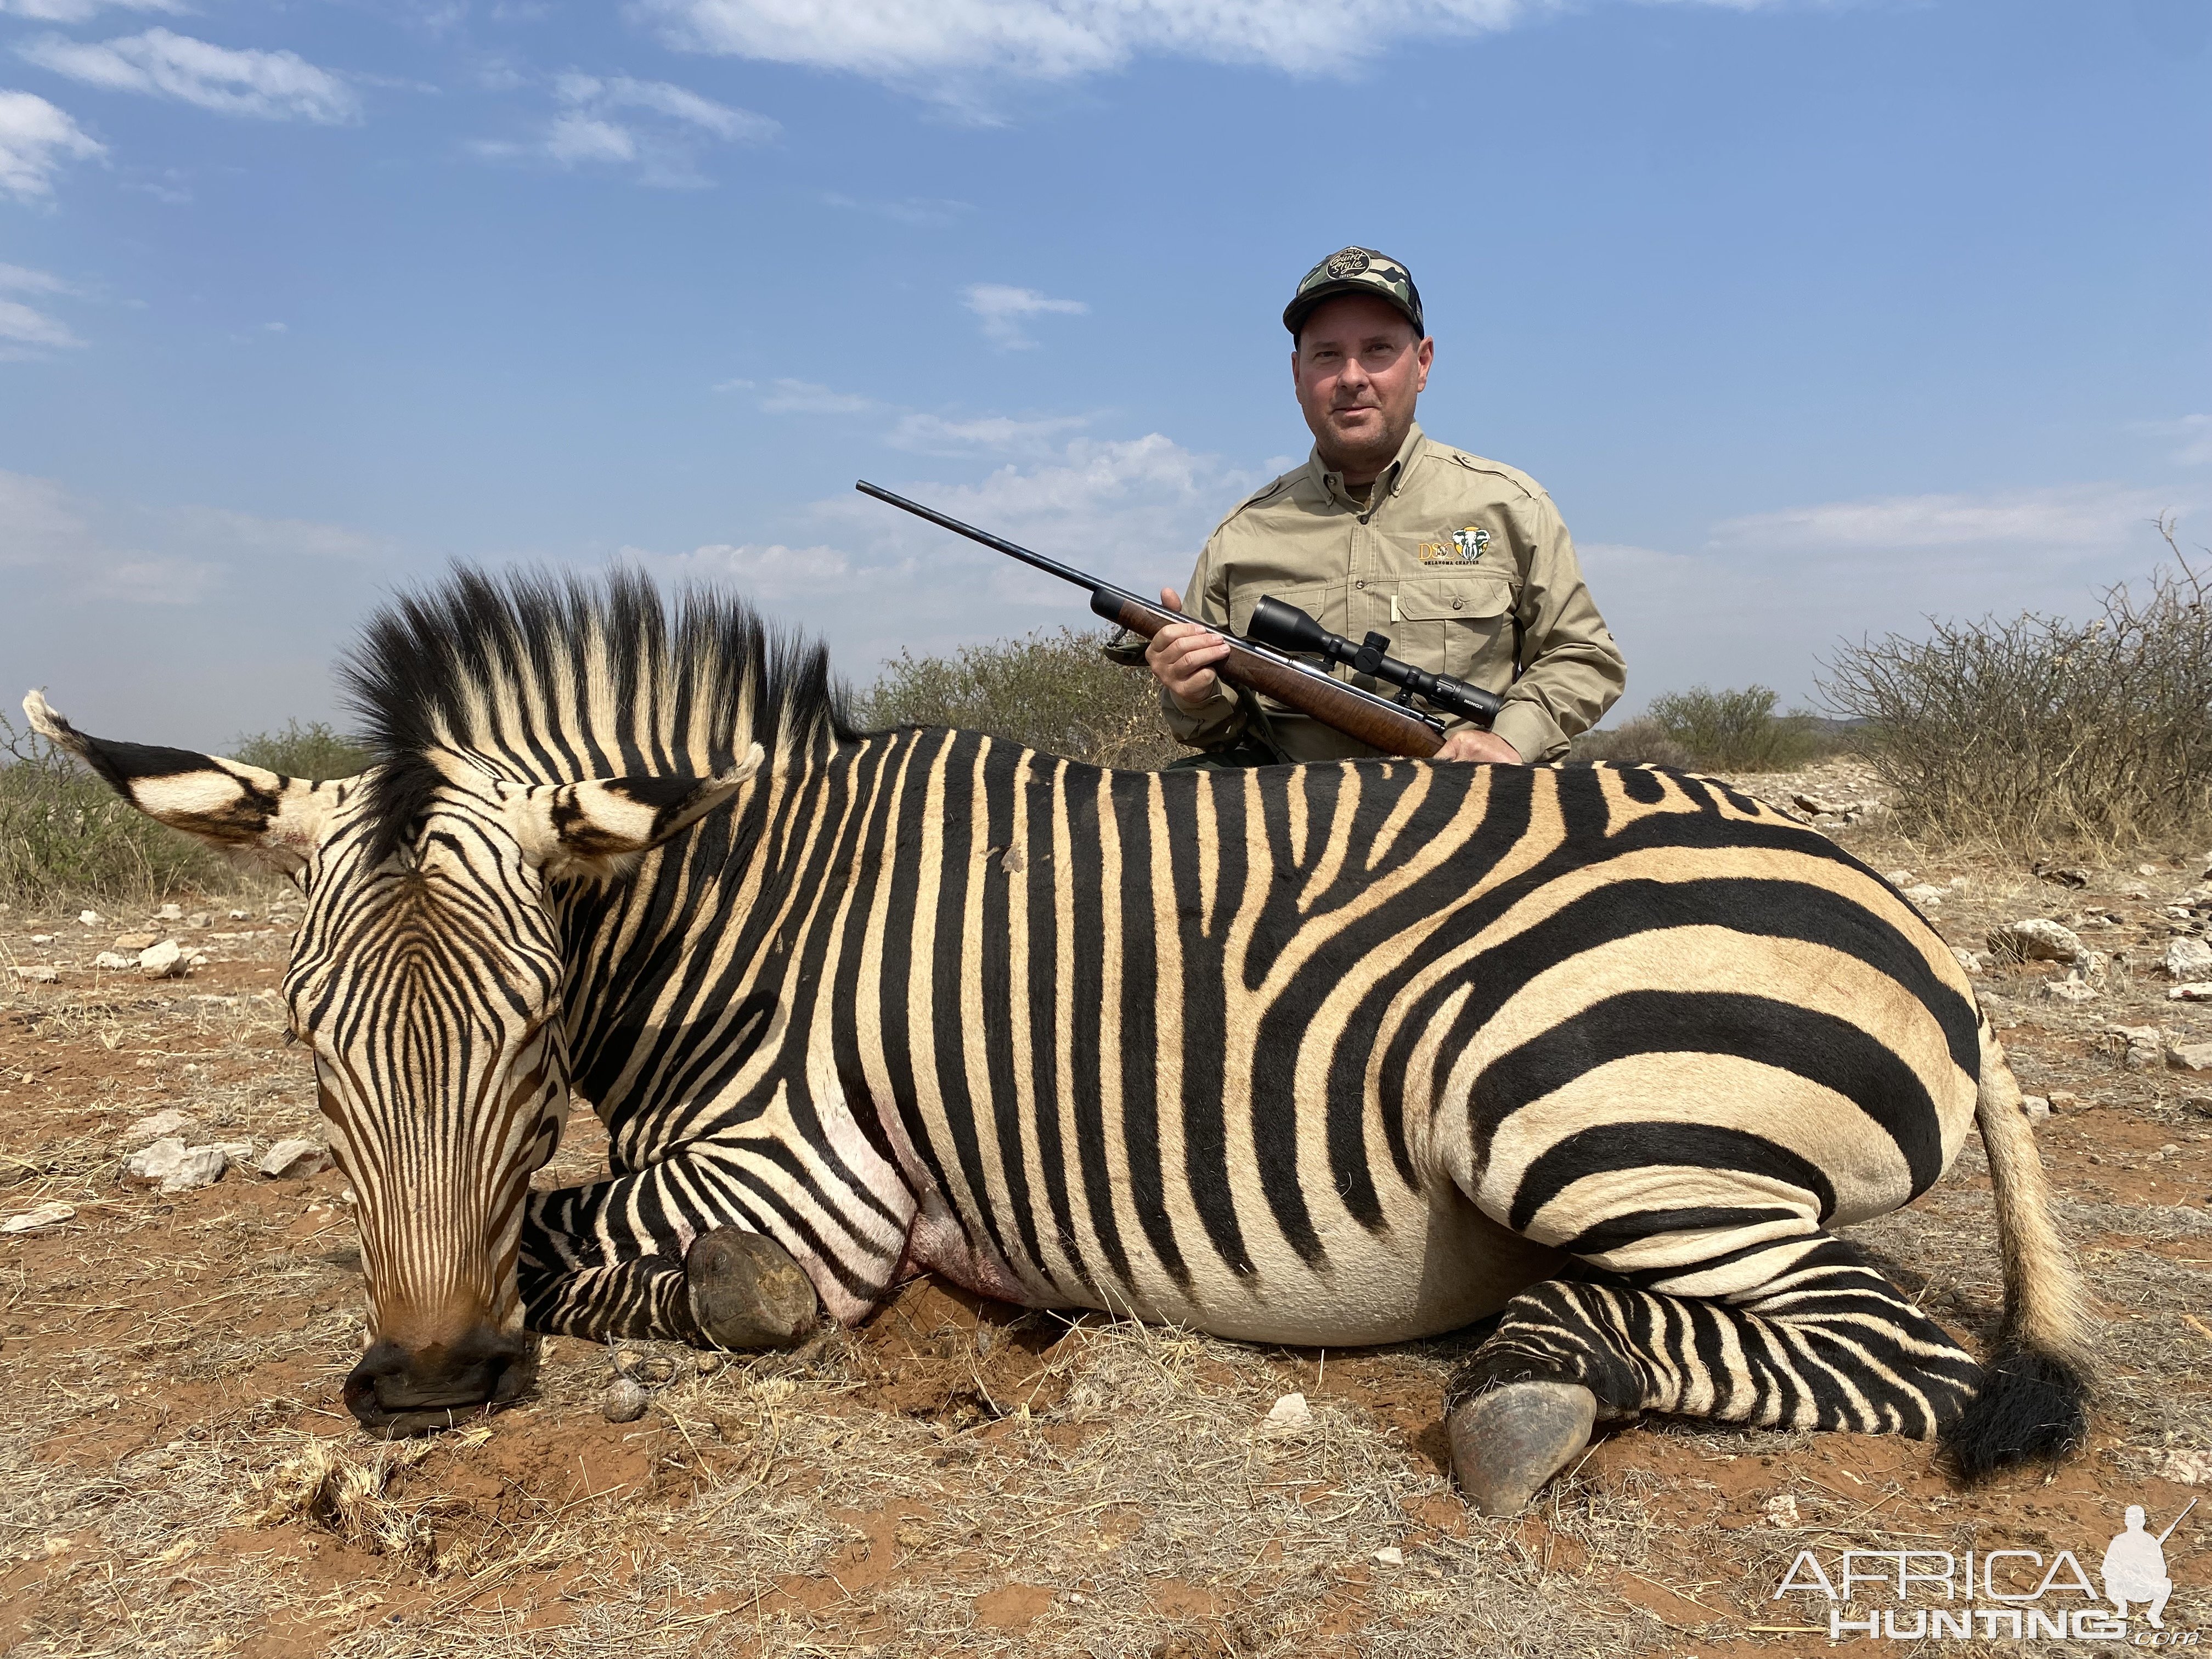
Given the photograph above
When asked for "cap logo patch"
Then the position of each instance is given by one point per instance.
(1348, 262)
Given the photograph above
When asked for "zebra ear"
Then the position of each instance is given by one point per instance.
(261, 816)
(599, 826)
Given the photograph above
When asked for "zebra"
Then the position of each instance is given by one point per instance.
(1325, 1055)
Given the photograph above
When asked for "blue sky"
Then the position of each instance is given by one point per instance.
(1813, 318)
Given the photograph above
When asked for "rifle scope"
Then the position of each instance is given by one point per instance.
(1288, 629)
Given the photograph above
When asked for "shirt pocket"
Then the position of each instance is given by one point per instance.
(1459, 624)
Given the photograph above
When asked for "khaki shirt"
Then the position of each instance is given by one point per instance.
(1462, 562)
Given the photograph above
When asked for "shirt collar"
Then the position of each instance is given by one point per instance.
(1392, 478)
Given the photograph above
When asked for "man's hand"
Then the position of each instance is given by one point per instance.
(1181, 657)
(1471, 743)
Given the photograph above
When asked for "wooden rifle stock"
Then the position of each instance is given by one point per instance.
(1393, 727)
(1375, 721)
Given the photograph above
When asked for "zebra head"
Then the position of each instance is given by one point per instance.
(427, 978)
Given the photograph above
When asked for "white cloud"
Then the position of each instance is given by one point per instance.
(175, 555)
(595, 128)
(20, 326)
(157, 581)
(2192, 432)
(913, 41)
(269, 85)
(774, 572)
(78, 11)
(2064, 518)
(35, 139)
(39, 523)
(21, 279)
(1003, 308)
(937, 435)
(919, 210)
(805, 397)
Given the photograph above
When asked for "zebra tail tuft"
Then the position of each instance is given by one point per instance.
(2033, 1404)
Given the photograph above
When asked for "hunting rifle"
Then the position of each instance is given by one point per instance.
(1264, 662)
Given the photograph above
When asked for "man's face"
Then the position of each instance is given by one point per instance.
(1359, 370)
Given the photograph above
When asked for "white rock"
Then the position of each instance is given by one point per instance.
(1960, 883)
(1928, 895)
(1900, 879)
(177, 1167)
(2187, 958)
(241, 916)
(2190, 1056)
(2036, 1107)
(1288, 1415)
(114, 962)
(46, 1215)
(161, 1125)
(289, 1160)
(1390, 1556)
(42, 939)
(2035, 939)
(197, 919)
(2197, 990)
(134, 943)
(2146, 869)
(1780, 1510)
(623, 1401)
(87, 918)
(1969, 960)
(163, 961)
(170, 912)
(38, 975)
(2068, 989)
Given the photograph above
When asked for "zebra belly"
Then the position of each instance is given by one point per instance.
(1438, 1264)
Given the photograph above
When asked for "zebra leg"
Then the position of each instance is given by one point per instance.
(728, 1288)
(1801, 1333)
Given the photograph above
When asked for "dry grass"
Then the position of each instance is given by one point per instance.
(178, 1476)
(2040, 732)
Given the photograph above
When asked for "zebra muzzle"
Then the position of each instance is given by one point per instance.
(395, 1390)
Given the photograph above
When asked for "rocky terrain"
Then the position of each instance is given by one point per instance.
(179, 1296)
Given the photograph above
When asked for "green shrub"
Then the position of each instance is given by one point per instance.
(1737, 731)
(312, 750)
(1050, 690)
(2041, 730)
(1639, 742)
(65, 834)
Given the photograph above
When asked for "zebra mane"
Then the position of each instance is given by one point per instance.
(548, 679)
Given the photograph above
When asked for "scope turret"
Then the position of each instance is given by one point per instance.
(1286, 627)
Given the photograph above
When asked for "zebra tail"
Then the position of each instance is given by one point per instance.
(2031, 1405)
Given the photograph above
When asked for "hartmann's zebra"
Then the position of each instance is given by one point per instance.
(1330, 1054)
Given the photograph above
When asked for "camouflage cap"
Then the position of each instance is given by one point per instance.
(1355, 271)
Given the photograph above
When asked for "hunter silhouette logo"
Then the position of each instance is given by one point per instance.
(1988, 1594)
(2135, 1566)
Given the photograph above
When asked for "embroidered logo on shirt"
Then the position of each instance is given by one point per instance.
(1461, 547)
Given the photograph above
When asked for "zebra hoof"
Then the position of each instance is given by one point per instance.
(1507, 1442)
(747, 1292)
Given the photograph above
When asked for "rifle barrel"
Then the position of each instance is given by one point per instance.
(2176, 1522)
(1067, 572)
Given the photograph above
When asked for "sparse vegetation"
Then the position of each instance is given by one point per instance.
(64, 832)
(309, 750)
(1639, 742)
(1052, 691)
(2040, 731)
(1736, 730)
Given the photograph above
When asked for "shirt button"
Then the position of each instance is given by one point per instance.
(1457, 604)
(1360, 585)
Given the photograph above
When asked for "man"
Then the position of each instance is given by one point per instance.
(1463, 562)
(2135, 1569)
